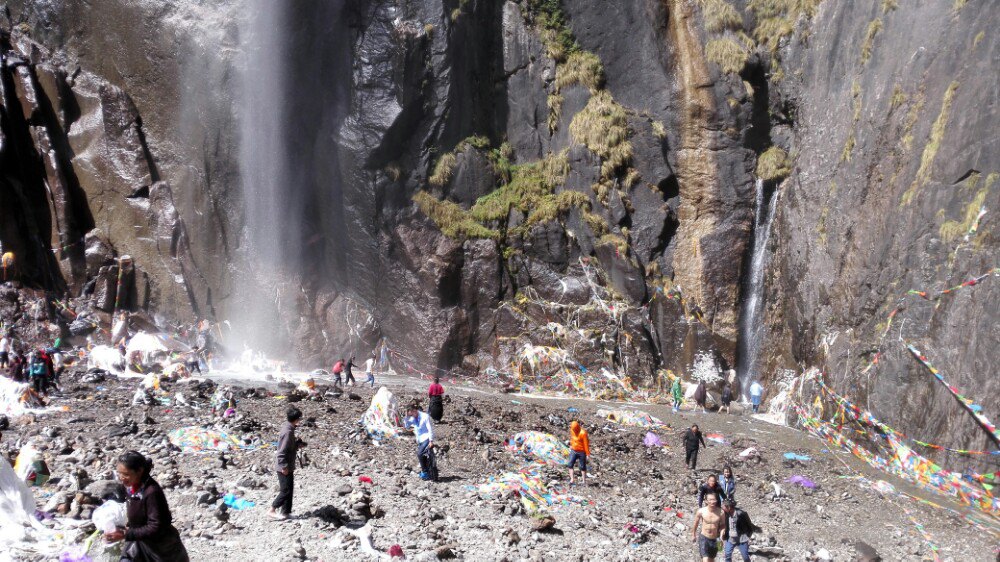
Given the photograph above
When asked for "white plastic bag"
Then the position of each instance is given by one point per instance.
(109, 516)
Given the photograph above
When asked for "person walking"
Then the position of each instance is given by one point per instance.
(36, 373)
(149, 533)
(579, 450)
(5, 349)
(370, 370)
(736, 532)
(424, 430)
(693, 440)
(338, 368)
(727, 399)
(349, 372)
(728, 483)
(710, 487)
(701, 397)
(756, 392)
(711, 519)
(435, 406)
(678, 393)
(288, 447)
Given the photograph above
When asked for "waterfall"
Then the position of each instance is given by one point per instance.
(751, 325)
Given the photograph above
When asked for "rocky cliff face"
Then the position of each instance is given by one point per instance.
(472, 176)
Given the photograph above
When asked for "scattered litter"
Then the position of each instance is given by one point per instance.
(18, 398)
(797, 457)
(30, 467)
(109, 516)
(528, 486)
(748, 452)
(236, 503)
(197, 439)
(716, 437)
(651, 440)
(365, 480)
(801, 481)
(632, 418)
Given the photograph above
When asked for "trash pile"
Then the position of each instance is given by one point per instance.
(382, 418)
(538, 447)
(198, 439)
(631, 418)
(527, 485)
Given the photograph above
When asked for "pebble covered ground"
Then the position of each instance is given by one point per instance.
(639, 504)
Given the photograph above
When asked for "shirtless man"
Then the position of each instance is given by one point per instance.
(711, 519)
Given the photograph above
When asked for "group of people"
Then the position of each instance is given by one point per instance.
(41, 367)
(718, 517)
(343, 371)
(725, 400)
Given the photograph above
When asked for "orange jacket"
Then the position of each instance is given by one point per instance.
(578, 440)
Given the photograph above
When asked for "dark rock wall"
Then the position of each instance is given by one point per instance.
(871, 114)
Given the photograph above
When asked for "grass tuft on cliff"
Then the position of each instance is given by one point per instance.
(531, 187)
(452, 220)
(773, 164)
(866, 48)
(602, 126)
(951, 230)
(720, 15)
(556, 36)
(775, 19)
(582, 67)
(933, 144)
(443, 169)
(727, 53)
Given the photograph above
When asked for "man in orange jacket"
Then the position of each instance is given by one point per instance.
(579, 450)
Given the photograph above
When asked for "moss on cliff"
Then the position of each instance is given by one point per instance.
(727, 53)
(933, 144)
(582, 67)
(866, 48)
(773, 164)
(451, 219)
(602, 126)
(951, 230)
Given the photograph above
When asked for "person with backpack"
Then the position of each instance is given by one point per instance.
(737, 531)
(338, 368)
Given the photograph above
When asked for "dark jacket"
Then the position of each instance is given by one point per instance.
(692, 439)
(288, 446)
(151, 525)
(727, 396)
(728, 487)
(744, 528)
(700, 393)
(704, 490)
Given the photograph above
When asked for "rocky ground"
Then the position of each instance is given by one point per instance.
(641, 507)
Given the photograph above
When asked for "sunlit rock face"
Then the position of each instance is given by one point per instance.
(259, 162)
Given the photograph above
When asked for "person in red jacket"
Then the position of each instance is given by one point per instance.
(338, 368)
(579, 450)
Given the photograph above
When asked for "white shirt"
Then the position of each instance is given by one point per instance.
(4, 345)
(424, 429)
(369, 364)
(756, 389)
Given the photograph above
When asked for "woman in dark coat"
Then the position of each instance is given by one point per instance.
(700, 396)
(436, 393)
(149, 534)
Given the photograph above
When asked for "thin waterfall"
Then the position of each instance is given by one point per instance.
(751, 324)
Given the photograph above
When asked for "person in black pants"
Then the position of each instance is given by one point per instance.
(149, 533)
(693, 440)
(288, 446)
(349, 372)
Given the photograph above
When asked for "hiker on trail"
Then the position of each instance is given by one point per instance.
(678, 393)
(693, 440)
(756, 391)
(5, 349)
(701, 397)
(579, 450)
(711, 487)
(288, 447)
(424, 430)
(370, 370)
(728, 484)
(349, 372)
(737, 531)
(436, 405)
(149, 533)
(711, 519)
(338, 368)
(727, 399)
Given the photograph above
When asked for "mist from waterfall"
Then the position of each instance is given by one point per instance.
(751, 323)
(290, 99)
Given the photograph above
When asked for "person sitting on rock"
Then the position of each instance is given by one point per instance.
(424, 430)
(149, 533)
(710, 487)
(288, 446)
(579, 450)
(435, 405)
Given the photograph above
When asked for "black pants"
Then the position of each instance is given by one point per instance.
(286, 485)
(39, 383)
(691, 458)
(349, 378)
(193, 366)
(428, 464)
